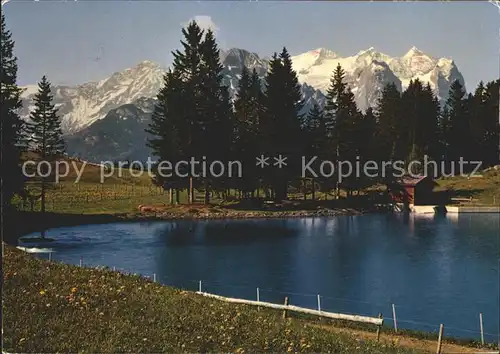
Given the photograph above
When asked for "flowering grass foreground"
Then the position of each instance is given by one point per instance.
(53, 307)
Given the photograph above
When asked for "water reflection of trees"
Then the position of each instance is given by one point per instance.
(220, 252)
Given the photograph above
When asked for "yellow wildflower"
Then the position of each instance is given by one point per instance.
(73, 290)
(42, 292)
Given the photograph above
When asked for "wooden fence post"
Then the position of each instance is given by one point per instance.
(319, 303)
(286, 304)
(199, 286)
(379, 327)
(440, 338)
(394, 318)
(481, 327)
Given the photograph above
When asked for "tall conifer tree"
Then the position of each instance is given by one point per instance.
(165, 128)
(248, 110)
(11, 126)
(343, 120)
(389, 117)
(187, 67)
(282, 120)
(315, 134)
(216, 110)
(459, 128)
(44, 131)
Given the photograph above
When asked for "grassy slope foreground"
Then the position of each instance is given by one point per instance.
(52, 307)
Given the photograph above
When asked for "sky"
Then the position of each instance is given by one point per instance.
(74, 42)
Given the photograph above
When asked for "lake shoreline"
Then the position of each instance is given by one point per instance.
(23, 223)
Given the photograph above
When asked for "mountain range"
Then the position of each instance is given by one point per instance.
(105, 120)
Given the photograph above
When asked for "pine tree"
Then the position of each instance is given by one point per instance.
(334, 96)
(248, 110)
(315, 127)
(316, 142)
(420, 129)
(11, 126)
(283, 102)
(343, 122)
(491, 138)
(483, 109)
(187, 66)
(459, 127)
(428, 126)
(366, 135)
(389, 117)
(216, 110)
(165, 130)
(444, 134)
(194, 113)
(350, 131)
(411, 99)
(272, 100)
(44, 130)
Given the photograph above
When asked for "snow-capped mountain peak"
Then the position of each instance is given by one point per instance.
(368, 51)
(235, 57)
(369, 70)
(81, 105)
(414, 51)
(323, 53)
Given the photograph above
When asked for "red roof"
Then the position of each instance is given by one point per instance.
(411, 181)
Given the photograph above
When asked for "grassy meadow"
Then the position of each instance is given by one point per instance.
(97, 310)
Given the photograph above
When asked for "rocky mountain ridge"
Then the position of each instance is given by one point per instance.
(367, 73)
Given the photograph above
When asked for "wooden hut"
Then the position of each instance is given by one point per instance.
(413, 190)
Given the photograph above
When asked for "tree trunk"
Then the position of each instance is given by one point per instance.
(313, 190)
(43, 202)
(304, 182)
(177, 196)
(191, 191)
(171, 196)
(281, 192)
(207, 193)
(43, 195)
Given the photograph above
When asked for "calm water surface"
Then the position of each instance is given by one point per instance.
(434, 269)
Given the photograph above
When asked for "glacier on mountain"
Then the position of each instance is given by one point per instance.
(368, 71)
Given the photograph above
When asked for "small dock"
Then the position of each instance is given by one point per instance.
(474, 209)
(449, 209)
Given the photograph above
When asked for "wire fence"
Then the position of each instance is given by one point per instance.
(398, 318)
(61, 196)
